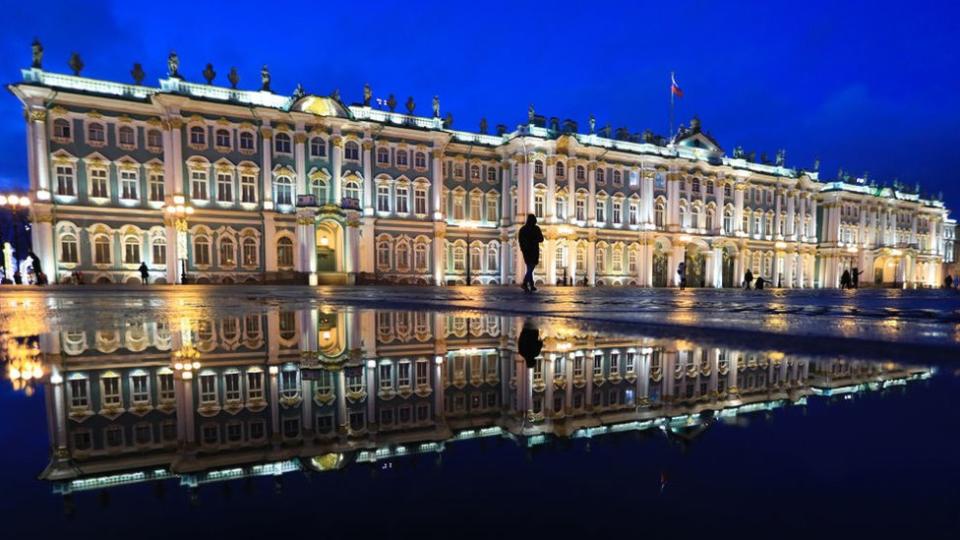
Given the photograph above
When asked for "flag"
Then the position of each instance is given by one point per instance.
(674, 87)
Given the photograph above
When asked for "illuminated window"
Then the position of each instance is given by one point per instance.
(351, 151)
(250, 252)
(284, 190)
(246, 141)
(131, 250)
(98, 183)
(156, 187)
(224, 187)
(68, 249)
(383, 156)
(154, 139)
(281, 143)
(198, 185)
(159, 250)
(65, 182)
(227, 252)
(198, 136)
(61, 129)
(248, 188)
(403, 199)
(96, 134)
(285, 252)
(223, 139)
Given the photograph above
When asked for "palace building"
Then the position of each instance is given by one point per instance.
(212, 184)
(210, 399)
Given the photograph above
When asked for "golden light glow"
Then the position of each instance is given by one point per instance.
(24, 366)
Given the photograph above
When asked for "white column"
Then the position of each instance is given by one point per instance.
(571, 168)
(791, 215)
(269, 242)
(306, 244)
(812, 232)
(778, 213)
(436, 186)
(739, 188)
(592, 197)
(571, 261)
(591, 265)
(300, 159)
(673, 200)
(38, 119)
(368, 199)
(551, 199)
(505, 200)
(439, 239)
(803, 213)
(646, 196)
(549, 257)
(336, 171)
(721, 201)
(505, 255)
(267, 173)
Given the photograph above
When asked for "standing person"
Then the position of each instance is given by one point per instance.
(144, 273)
(956, 281)
(760, 283)
(855, 277)
(845, 280)
(747, 279)
(682, 274)
(17, 278)
(530, 237)
(947, 282)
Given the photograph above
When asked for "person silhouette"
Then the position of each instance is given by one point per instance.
(845, 280)
(144, 273)
(747, 279)
(529, 343)
(530, 237)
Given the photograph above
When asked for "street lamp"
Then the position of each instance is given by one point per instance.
(178, 212)
(16, 204)
(23, 364)
(186, 361)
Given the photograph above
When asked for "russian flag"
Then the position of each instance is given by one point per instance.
(674, 87)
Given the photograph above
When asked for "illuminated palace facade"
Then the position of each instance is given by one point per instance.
(226, 186)
(283, 391)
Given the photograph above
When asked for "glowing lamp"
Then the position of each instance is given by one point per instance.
(274, 370)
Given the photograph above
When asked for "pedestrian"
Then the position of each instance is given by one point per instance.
(760, 283)
(144, 273)
(947, 282)
(17, 278)
(529, 344)
(530, 237)
(855, 277)
(956, 281)
(682, 275)
(845, 280)
(747, 279)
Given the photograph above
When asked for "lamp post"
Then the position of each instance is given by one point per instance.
(16, 205)
(178, 213)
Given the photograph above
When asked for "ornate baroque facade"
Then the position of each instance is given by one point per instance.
(227, 185)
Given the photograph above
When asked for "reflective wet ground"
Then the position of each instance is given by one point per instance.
(249, 412)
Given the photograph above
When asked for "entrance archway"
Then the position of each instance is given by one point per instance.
(660, 271)
(695, 264)
(329, 246)
(728, 267)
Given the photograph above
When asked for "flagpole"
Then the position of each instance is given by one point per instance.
(670, 133)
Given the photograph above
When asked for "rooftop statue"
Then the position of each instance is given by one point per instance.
(781, 157)
(137, 73)
(436, 106)
(391, 102)
(816, 164)
(37, 52)
(335, 95)
(209, 74)
(411, 105)
(367, 94)
(448, 121)
(738, 152)
(531, 112)
(483, 126)
(173, 65)
(265, 79)
(593, 123)
(233, 77)
(76, 63)
(299, 92)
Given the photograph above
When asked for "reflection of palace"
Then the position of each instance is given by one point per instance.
(265, 394)
(206, 181)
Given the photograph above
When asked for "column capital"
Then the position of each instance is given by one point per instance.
(299, 138)
(266, 132)
(337, 141)
(367, 144)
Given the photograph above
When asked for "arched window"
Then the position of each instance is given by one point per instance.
(601, 262)
(246, 141)
(158, 250)
(561, 170)
(658, 212)
(223, 139)
(318, 187)
(728, 221)
(102, 253)
(96, 134)
(617, 177)
(475, 172)
(285, 253)
(493, 256)
(601, 176)
(351, 151)
(318, 147)
(69, 249)
(281, 143)
(383, 255)
(251, 254)
(403, 256)
(709, 221)
(228, 252)
(476, 258)
(420, 257)
(538, 167)
(402, 159)
(383, 156)
(581, 173)
(65, 182)
(198, 136)
(420, 160)
(284, 190)
(633, 258)
(154, 139)
(459, 258)
(617, 259)
(61, 129)
(695, 216)
(201, 251)
(351, 189)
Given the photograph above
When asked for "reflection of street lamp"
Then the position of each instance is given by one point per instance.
(178, 212)
(186, 361)
(23, 364)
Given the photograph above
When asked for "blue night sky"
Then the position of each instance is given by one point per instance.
(867, 86)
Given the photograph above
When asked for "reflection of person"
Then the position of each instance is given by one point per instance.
(530, 237)
(529, 343)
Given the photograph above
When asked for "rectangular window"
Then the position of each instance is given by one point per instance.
(617, 212)
(166, 389)
(231, 385)
(198, 185)
(248, 189)
(581, 206)
(140, 392)
(65, 185)
(208, 388)
(68, 249)
(601, 211)
(403, 374)
(78, 394)
(492, 209)
(386, 376)
(111, 391)
(157, 191)
(475, 208)
(383, 198)
(255, 385)
(159, 252)
(420, 201)
(131, 253)
(224, 187)
(98, 184)
(403, 199)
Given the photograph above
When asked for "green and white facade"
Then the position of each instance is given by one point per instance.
(305, 188)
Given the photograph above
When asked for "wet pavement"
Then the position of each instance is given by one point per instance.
(263, 411)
